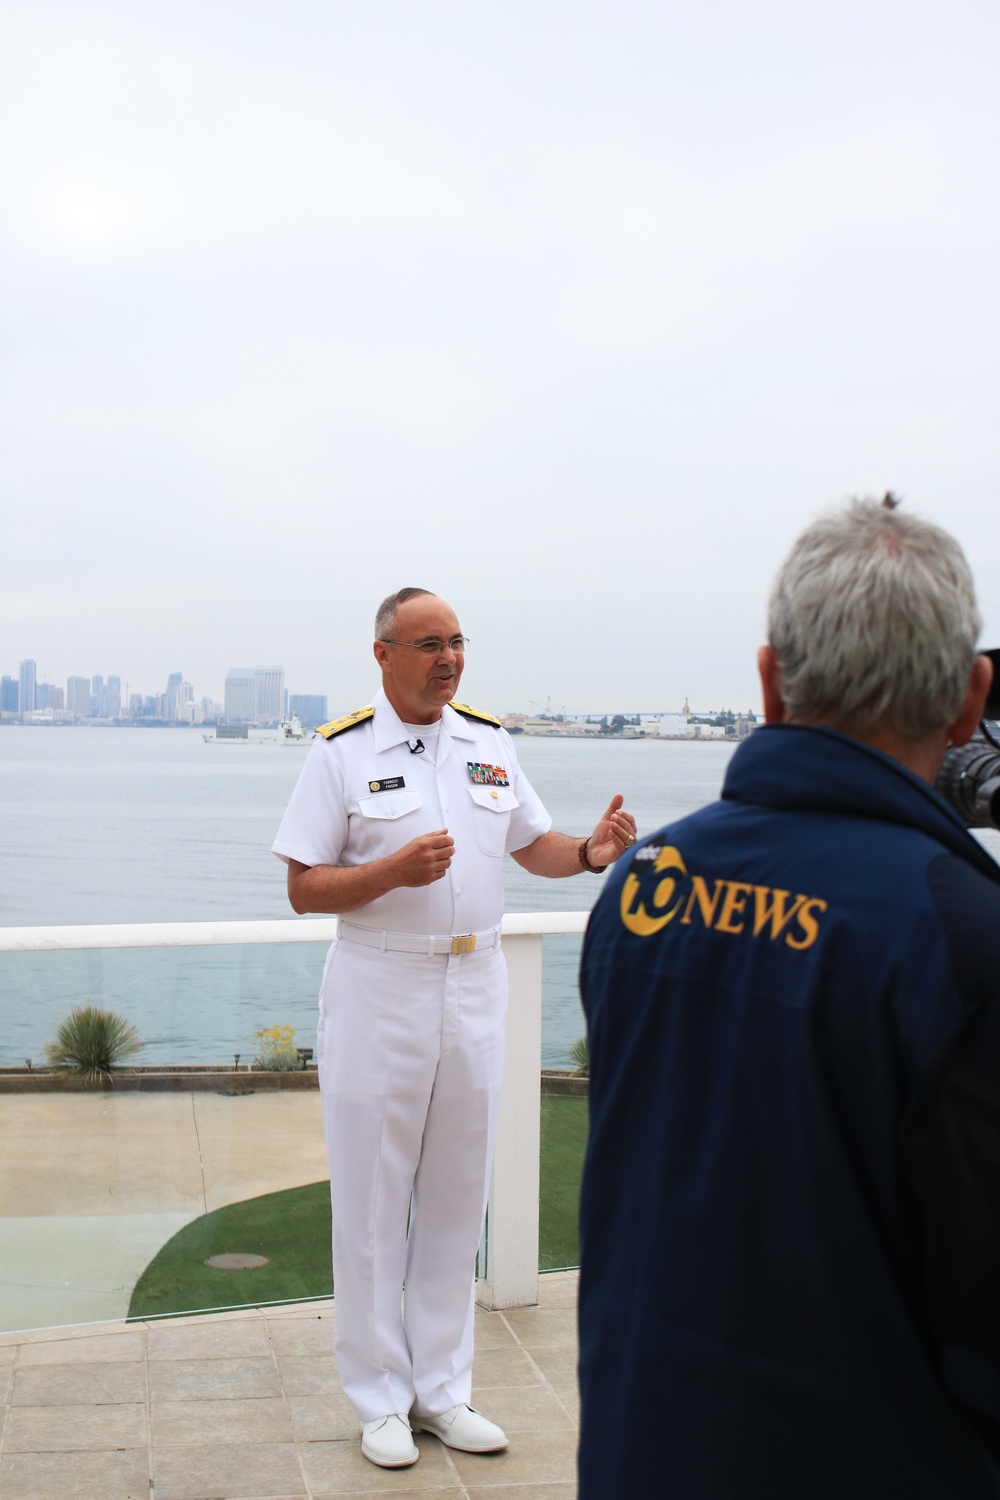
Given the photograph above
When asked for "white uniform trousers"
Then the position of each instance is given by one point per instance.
(410, 1057)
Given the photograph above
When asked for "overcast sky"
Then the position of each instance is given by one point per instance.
(574, 313)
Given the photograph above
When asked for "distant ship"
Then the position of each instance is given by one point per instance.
(291, 733)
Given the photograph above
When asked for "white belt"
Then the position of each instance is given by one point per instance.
(415, 942)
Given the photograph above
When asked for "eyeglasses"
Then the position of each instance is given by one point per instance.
(434, 647)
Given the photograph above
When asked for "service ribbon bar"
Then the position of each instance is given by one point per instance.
(488, 775)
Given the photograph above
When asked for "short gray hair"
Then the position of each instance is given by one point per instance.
(873, 616)
(385, 615)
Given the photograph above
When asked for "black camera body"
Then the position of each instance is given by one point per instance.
(969, 778)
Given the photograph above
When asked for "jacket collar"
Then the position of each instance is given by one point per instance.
(810, 768)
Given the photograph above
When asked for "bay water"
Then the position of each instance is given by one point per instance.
(155, 825)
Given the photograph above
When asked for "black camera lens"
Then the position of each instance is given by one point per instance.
(969, 779)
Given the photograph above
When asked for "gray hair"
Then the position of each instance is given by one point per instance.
(873, 616)
(385, 615)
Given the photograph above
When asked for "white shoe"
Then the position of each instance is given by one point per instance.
(388, 1442)
(461, 1427)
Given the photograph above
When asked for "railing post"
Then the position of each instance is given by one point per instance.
(508, 1259)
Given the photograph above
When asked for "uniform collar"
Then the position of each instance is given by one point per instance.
(457, 727)
(389, 730)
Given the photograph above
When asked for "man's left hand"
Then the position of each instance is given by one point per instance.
(613, 833)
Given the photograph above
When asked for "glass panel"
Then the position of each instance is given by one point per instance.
(112, 1200)
(203, 1005)
(563, 1143)
(563, 1022)
(564, 1115)
(189, 1005)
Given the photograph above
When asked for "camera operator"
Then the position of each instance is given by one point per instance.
(790, 1219)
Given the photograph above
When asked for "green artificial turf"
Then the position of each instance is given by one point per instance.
(564, 1139)
(292, 1229)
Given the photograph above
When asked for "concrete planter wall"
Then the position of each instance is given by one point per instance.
(183, 1078)
(178, 1079)
(564, 1081)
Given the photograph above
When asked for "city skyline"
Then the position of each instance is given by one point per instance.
(522, 703)
(245, 703)
(256, 695)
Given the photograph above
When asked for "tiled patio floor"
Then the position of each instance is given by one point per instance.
(247, 1406)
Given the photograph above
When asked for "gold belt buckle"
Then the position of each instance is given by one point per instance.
(463, 944)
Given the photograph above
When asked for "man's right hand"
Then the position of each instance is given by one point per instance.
(343, 888)
(423, 860)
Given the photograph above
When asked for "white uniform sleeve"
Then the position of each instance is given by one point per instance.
(314, 828)
(529, 820)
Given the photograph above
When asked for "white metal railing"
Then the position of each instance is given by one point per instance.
(509, 1257)
(214, 934)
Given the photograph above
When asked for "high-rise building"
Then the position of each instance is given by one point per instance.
(47, 695)
(26, 688)
(78, 697)
(113, 705)
(173, 685)
(310, 707)
(241, 695)
(8, 695)
(270, 694)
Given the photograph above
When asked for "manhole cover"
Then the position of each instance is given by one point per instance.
(236, 1262)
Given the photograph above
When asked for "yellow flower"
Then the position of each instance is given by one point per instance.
(276, 1047)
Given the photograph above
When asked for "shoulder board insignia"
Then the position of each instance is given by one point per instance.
(349, 721)
(475, 713)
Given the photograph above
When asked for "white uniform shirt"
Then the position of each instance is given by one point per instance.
(362, 795)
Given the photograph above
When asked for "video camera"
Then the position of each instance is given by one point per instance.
(969, 778)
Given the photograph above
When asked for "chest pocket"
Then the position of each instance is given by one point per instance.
(385, 822)
(491, 816)
(390, 804)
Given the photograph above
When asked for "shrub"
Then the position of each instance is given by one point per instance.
(91, 1042)
(276, 1051)
(579, 1055)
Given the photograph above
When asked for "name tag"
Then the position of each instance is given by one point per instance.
(388, 784)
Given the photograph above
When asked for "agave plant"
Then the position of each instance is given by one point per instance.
(579, 1055)
(91, 1042)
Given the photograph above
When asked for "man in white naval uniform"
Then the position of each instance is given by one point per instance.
(400, 818)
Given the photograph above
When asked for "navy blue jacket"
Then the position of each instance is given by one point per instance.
(790, 1217)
